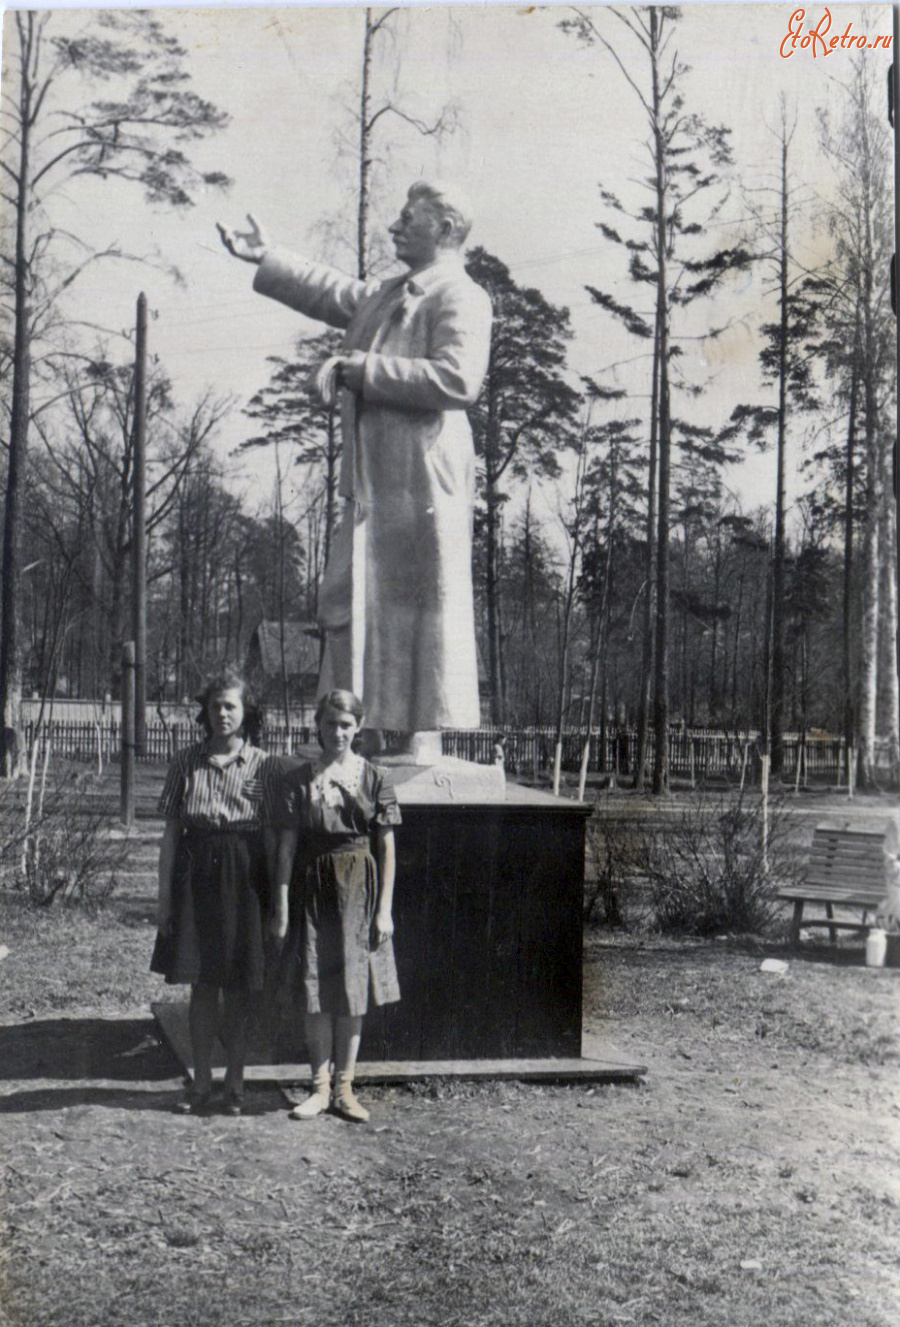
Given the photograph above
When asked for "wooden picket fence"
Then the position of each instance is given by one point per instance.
(693, 754)
(83, 740)
(696, 755)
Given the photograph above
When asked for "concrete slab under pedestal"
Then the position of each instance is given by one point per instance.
(607, 1066)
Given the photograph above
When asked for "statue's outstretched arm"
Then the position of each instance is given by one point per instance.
(314, 289)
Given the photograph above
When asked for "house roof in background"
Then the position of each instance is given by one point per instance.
(301, 647)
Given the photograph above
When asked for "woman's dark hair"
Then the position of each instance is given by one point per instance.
(229, 679)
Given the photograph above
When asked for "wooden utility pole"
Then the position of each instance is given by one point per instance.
(895, 83)
(126, 798)
(139, 561)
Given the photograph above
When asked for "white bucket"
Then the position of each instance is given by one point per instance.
(876, 948)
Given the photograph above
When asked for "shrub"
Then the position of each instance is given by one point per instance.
(613, 852)
(706, 869)
(66, 852)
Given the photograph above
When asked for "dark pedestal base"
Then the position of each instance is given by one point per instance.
(488, 913)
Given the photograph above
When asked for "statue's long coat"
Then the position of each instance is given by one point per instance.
(396, 599)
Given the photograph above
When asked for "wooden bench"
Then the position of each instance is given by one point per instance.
(847, 869)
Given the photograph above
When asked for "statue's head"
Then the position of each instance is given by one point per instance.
(449, 205)
(437, 216)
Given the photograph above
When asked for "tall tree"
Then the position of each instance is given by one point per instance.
(523, 419)
(861, 355)
(87, 464)
(786, 360)
(530, 594)
(289, 415)
(614, 494)
(837, 498)
(376, 98)
(686, 155)
(52, 137)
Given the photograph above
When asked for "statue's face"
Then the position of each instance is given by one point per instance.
(417, 233)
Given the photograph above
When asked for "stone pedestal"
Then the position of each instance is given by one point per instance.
(488, 921)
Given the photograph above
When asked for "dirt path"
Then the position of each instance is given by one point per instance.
(753, 1178)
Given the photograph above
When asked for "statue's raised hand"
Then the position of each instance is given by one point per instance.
(249, 245)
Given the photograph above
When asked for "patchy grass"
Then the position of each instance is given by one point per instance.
(715, 992)
(752, 1178)
(68, 957)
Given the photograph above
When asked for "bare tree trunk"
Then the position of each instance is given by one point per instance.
(868, 671)
(239, 598)
(661, 670)
(492, 560)
(285, 691)
(643, 718)
(776, 707)
(10, 662)
(561, 695)
(850, 462)
(684, 685)
(575, 543)
(714, 644)
(97, 679)
(528, 623)
(139, 529)
(184, 596)
(365, 160)
(868, 682)
(889, 699)
(736, 652)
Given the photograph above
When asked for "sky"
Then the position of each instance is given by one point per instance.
(542, 123)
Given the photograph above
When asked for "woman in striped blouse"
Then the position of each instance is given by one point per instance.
(213, 882)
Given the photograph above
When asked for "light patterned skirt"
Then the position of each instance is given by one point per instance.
(331, 958)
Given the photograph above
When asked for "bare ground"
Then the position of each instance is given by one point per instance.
(752, 1178)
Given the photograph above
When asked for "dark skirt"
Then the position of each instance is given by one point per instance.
(331, 958)
(218, 904)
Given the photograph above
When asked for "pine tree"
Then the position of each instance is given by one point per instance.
(521, 422)
(860, 353)
(290, 417)
(787, 366)
(686, 156)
